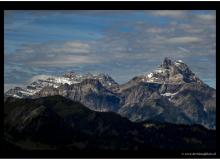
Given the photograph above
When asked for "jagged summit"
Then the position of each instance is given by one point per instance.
(166, 63)
(171, 72)
(70, 74)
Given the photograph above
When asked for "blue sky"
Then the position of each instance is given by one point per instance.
(122, 44)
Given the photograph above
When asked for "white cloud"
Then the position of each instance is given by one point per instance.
(206, 17)
(191, 28)
(48, 53)
(69, 47)
(184, 49)
(183, 40)
(169, 13)
(154, 30)
(73, 47)
(67, 60)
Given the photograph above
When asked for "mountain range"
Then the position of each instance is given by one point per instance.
(171, 93)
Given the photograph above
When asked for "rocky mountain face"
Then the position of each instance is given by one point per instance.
(58, 123)
(90, 92)
(171, 93)
(94, 91)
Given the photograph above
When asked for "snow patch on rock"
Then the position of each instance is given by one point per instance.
(150, 75)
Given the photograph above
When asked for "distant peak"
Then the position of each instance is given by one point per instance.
(167, 59)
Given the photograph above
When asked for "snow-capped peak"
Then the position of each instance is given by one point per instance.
(170, 72)
(37, 83)
(179, 61)
(150, 75)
